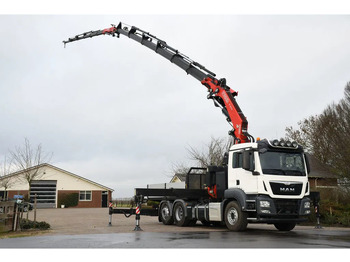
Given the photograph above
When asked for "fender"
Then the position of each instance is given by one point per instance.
(237, 194)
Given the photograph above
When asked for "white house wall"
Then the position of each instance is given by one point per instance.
(68, 182)
(65, 181)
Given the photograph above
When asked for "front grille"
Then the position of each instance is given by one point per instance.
(287, 207)
(280, 188)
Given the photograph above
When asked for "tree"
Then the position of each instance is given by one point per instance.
(28, 160)
(6, 181)
(326, 135)
(213, 154)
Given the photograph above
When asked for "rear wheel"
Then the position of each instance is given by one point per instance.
(235, 218)
(179, 215)
(165, 215)
(285, 226)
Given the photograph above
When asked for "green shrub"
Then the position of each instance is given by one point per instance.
(334, 208)
(153, 204)
(68, 200)
(26, 224)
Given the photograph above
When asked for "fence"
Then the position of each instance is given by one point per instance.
(8, 216)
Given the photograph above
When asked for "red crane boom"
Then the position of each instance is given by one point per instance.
(222, 95)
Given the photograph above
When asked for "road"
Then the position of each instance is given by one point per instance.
(263, 237)
(88, 228)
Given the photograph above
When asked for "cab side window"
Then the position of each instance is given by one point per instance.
(237, 160)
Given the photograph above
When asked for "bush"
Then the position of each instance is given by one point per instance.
(28, 224)
(334, 208)
(68, 200)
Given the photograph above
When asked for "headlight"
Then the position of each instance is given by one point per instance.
(264, 204)
(307, 204)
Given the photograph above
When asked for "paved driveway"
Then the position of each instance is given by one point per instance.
(88, 227)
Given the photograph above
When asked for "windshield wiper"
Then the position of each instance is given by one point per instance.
(274, 171)
(295, 172)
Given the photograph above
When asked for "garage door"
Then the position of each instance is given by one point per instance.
(45, 191)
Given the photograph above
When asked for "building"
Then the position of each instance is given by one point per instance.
(320, 175)
(53, 184)
(178, 178)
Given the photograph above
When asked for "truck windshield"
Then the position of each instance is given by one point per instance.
(281, 163)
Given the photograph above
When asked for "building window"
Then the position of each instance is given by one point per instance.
(85, 195)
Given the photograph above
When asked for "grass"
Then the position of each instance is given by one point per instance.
(26, 233)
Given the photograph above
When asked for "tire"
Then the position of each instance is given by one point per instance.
(285, 226)
(235, 218)
(165, 215)
(179, 215)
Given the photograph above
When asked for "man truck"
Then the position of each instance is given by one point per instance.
(260, 181)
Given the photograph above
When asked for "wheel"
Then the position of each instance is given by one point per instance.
(179, 215)
(285, 226)
(235, 218)
(165, 216)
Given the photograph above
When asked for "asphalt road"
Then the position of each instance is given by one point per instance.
(88, 228)
(252, 238)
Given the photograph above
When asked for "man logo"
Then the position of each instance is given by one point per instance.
(287, 189)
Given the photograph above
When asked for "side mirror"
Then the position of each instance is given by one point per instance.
(246, 160)
(307, 163)
(225, 159)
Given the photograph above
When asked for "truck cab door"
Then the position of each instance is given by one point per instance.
(241, 171)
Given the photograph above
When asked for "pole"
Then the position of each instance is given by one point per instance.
(137, 227)
(138, 200)
(315, 196)
(15, 218)
(110, 213)
(318, 215)
(34, 208)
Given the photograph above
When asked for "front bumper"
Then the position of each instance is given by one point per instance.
(282, 210)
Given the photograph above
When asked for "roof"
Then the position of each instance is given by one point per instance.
(319, 170)
(60, 170)
(181, 177)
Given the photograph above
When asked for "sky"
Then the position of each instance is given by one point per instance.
(117, 113)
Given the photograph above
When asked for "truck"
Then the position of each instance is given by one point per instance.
(259, 181)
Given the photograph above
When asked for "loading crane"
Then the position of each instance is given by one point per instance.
(222, 95)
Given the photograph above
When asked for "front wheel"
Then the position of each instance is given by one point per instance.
(235, 218)
(285, 226)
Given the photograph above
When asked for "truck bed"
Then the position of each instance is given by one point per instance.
(158, 194)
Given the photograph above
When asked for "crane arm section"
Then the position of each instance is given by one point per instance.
(219, 92)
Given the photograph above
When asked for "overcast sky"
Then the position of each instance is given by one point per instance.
(117, 113)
